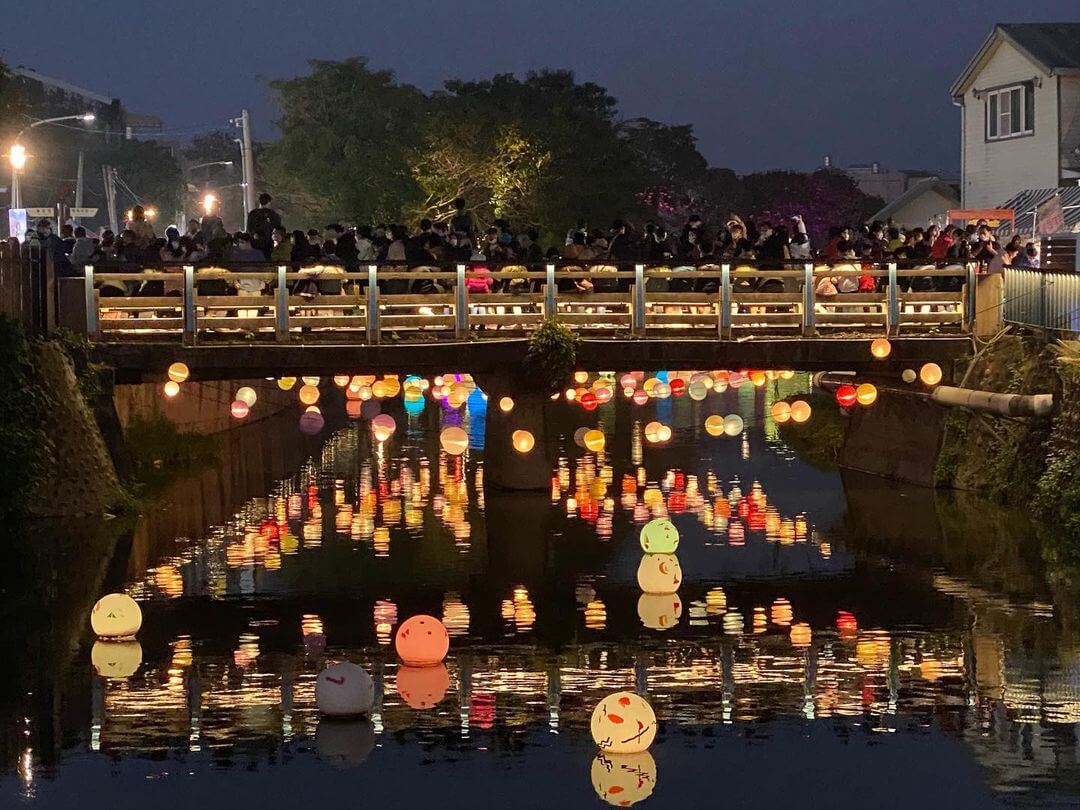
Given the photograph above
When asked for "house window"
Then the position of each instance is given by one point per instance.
(1010, 112)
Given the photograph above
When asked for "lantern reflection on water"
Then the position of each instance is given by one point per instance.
(659, 611)
(116, 659)
(623, 780)
(423, 687)
(172, 388)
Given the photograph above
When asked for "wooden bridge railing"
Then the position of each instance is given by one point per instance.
(384, 302)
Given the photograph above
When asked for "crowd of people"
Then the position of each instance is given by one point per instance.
(768, 243)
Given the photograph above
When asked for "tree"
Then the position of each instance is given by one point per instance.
(221, 181)
(346, 133)
(824, 198)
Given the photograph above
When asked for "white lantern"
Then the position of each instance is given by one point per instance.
(116, 659)
(733, 424)
(247, 394)
(623, 780)
(116, 615)
(454, 441)
(623, 723)
(344, 690)
(659, 573)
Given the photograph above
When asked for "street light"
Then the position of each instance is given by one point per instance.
(17, 155)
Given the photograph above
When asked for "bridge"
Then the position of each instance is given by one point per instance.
(261, 320)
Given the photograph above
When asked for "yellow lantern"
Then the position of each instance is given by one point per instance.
(116, 659)
(594, 440)
(623, 723)
(247, 395)
(172, 388)
(344, 690)
(454, 441)
(411, 393)
(116, 615)
(341, 380)
(758, 378)
(880, 348)
(239, 409)
(309, 394)
(379, 389)
(393, 386)
(623, 780)
(506, 404)
(733, 424)
(286, 383)
(659, 611)
(383, 427)
(801, 634)
(866, 394)
(309, 380)
(659, 573)
(655, 432)
(659, 536)
(423, 687)
(179, 372)
(581, 377)
(781, 412)
(422, 641)
(800, 411)
(714, 425)
(781, 612)
(664, 434)
(523, 441)
(909, 376)
(930, 374)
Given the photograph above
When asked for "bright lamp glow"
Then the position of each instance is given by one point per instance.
(17, 156)
(208, 202)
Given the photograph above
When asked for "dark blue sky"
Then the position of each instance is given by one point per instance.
(765, 84)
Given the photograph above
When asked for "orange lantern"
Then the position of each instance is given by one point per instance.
(422, 641)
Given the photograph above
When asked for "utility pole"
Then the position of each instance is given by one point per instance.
(247, 162)
(79, 186)
(109, 176)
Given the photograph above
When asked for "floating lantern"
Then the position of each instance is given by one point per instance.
(652, 432)
(659, 573)
(909, 376)
(423, 687)
(581, 377)
(800, 411)
(379, 389)
(661, 390)
(801, 634)
(422, 641)
(172, 388)
(733, 424)
(623, 723)
(781, 412)
(588, 401)
(344, 690)
(677, 388)
(781, 612)
(594, 440)
(846, 396)
(846, 624)
(116, 659)
(640, 396)
(454, 441)
(659, 536)
(311, 422)
(659, 611)
(286, 383)
(880, 348)
(341, 380)
(116, 615)
(309, 380)
(309, 394)
(930, 374)
(247, 395)
(603, 394)
(714, 425)
(239, 409)
(623, 780)
(664, 434)
(179, 372)
(733, 623)
(412, 393)
(698, 390)
(523, 441)
(758, 378)
(506, 404)
(579, 437)
(383, 427)
(866, 394)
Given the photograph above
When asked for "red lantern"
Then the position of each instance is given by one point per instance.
(846, 396)
(678, 387)
(588, 401)
(846, 624)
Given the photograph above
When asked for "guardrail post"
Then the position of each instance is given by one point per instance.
(1044, 317)
(969, 299)
(725, 302)
(808, 300)
(892, 298)
(372, 305)
(191, 336)
(637, 317)
(549, 291)
(91, 304)
(281, 307)
(461, 305)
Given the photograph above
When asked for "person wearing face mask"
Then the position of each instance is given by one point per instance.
(48, 243)
(173, 251)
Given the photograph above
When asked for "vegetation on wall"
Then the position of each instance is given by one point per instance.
(26, 450)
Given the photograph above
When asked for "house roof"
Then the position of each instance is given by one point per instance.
(1025, 202)
(914, 192)
(1054, 47)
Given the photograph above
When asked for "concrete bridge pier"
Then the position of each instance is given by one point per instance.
(504, 467)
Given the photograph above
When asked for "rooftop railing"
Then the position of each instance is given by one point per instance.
(388, 302)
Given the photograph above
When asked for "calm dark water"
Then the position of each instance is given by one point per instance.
(838, 641)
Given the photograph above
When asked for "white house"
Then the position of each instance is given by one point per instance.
(925, 202)
(1020, 112)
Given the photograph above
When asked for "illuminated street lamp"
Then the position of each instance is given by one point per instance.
(17, 155)
(208, 202)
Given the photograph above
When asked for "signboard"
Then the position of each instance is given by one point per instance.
(995, 217)
(41, 212)
(84, 212)
(17, 223)
(1049, 218)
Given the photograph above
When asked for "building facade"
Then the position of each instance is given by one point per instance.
(1019, 98)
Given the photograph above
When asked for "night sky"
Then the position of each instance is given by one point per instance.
(766, 85)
